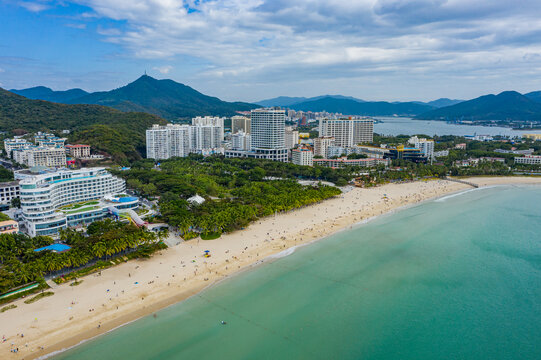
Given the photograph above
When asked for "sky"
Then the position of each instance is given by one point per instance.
(249, 50)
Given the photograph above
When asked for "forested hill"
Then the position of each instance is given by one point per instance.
(117, 133)
(508, 105)
(165, 98)
(44, 93)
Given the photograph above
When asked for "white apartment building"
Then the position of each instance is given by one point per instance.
(425, 145)
(172, 140)
(206, 137)
(347, 132)
(528, 160)
(322, 144)
(291, 138)
(241, 123)
(15, 143)
(45, 199)
(20, 156)
(241, 141)
(302, 156)
(208, 120)
(46, 156)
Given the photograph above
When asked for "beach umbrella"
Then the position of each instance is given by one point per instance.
(207, 251)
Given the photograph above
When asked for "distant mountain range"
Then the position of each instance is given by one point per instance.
(368, 108)
(44, 93)
(164, 98)
(506, 106)
(286, 101)
(120, 134)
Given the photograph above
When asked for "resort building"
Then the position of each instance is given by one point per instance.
(321, 145)
(302, 156)
(49, 140)
(78, 151)
(15, 143)
(241, 123)
(425, 145)
(529, 160)
(344, 161)
(406, 153)
(68, 198)
(46, 156)
(347, 132)
(9, 191)
(9, 227)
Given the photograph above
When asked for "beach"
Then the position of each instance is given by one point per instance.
(138, 288)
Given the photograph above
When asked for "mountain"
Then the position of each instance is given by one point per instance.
(286, 101)
(534, 95)
(508, 105)
(117, 133)
(369, 108)
(165, 98)
(442, 102)
(44, 93)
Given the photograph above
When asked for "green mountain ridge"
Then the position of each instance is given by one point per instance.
(47, 94)
(506, 106)
(120, 134)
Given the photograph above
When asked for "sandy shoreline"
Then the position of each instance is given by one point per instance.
(138, 288)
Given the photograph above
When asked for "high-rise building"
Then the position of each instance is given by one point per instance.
(291, 138)
(46, 156)
(268, 134)
(322, 144)
(206, 137)
(425, 145)
(240, 123)
(347, 132)
(302, 156)
(172, 140)
(45, 199)
(208, 120)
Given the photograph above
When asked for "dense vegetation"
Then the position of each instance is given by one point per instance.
(119, 134)
(20, 264)
(47, 94)
(5, 174)
(237, 191)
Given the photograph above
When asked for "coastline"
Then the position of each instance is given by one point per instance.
(132, 290)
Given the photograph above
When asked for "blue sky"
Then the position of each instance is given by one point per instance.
(255, 49)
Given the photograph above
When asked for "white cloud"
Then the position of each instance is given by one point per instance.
(163, 69)
(34, 6)
(263, 42)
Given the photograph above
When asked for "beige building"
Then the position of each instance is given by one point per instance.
(79, 151)
(49, 157)
(347, 132)
(322, 144)
(302, 156)
(241, 123)
(9, 227)
(291, 138)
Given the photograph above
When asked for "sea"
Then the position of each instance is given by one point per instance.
(407, 126)
(454, 278)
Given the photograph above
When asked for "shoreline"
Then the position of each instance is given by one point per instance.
(46, 321)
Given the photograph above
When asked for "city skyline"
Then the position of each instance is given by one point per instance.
(252, 50)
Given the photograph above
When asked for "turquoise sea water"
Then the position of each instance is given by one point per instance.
(455, 278)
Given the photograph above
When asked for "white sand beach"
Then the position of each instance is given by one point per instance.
(140, 287)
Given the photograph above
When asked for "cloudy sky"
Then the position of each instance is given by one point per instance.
(255, 49)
